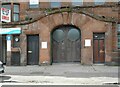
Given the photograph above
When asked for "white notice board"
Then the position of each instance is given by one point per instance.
(8, 45)
(87, 42)
(44, 45)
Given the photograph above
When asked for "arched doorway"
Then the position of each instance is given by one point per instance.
(66, 44)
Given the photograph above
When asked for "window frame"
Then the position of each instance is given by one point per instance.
(7, 4)
(12, 10)
(16, 12)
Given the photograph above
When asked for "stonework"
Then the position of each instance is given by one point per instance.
(45, 26)
(87, 25)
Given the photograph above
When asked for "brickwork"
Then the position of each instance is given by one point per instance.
(45, 25)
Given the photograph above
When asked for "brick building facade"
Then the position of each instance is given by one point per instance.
(88, 33)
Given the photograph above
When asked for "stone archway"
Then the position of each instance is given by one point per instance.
(87, 26)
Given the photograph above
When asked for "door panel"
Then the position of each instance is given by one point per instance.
(33, 49)
(99, 49)
(96, 51)
(15, 58)
(67, 49)
(102, 51)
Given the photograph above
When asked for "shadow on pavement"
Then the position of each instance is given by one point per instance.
(3, 78)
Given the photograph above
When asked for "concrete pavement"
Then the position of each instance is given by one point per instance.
(60, 74)
(58, 86)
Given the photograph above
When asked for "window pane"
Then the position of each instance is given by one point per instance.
(34, 6)
(55, 4)
(118, 28)
(16, 17)
(8, 6)
(16, 8)
(77, 2)
(58, 35)
(73, 35)
(99, 2)
(119, 37)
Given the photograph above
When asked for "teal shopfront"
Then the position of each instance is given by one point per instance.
(9, 39)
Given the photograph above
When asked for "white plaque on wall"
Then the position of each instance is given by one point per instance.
(44, 45)
(8, 45)
(87, 42)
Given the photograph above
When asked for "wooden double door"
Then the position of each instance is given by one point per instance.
(66, 45)
(99, 48)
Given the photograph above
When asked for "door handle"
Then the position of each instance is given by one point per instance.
(101, 51)
(29, 51)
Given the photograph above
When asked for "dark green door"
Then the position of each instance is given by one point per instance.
(66, 44)
(3, 48)
(33, 50)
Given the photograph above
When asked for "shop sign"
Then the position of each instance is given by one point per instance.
(10, 30)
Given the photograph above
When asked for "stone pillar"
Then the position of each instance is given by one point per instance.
(9, 37)
(23, 50)
(108, 44)
(45, 52)
(8, 58)
(44, 37)
(86, 52)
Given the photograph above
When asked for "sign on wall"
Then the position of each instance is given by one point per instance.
(44, 45)
(10, 30)
(5, 15)
(8, 37)
(34, 2)
(87, 42)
